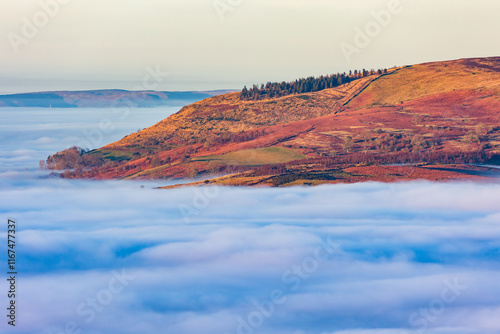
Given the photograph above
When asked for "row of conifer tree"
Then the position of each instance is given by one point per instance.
(304, 85)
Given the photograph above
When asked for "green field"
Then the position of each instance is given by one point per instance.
(255, 157)
(113, 155)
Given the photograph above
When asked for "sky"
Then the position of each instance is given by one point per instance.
(219, 44)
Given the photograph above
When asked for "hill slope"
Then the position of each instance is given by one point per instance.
(435, 114)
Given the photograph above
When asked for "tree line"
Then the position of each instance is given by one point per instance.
(326, 163)
(71, 158)
(304, 85)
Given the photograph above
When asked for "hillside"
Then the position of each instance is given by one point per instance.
(433, 118)
(102, 99)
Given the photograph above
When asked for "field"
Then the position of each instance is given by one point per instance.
(255, 157)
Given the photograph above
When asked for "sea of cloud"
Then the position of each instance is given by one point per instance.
(120, 257)
(371, 258)
(28, 135)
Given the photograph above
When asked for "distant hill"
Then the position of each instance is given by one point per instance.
(103, 98)
(426, 121)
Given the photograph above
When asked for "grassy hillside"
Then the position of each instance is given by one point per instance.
(443, 112)
(255, 157)
(414, 82)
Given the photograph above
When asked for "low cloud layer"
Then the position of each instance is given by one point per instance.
(28, 135)
(371, 258)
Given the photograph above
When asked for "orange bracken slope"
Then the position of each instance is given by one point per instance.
(438, 108)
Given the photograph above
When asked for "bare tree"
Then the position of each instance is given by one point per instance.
(347, 145)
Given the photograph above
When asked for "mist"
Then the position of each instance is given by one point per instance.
(114, 257)
(371, 258)
(28, 135)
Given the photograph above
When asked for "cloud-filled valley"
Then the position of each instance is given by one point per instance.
(362, 258)
(106, 257)
(281, 225)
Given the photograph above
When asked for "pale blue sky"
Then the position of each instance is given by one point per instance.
(91, 44)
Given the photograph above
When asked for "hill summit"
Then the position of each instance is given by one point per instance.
(433, 121)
